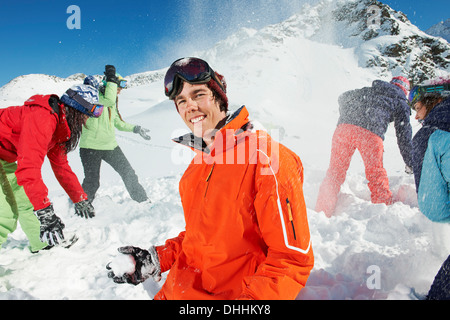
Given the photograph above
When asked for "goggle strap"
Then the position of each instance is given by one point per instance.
(218, 81)
(75, 96)
(435, 88)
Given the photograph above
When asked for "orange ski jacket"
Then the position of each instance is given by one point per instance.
(247, 233)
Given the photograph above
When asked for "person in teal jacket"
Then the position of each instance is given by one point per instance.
(431, 165)
(98, 140)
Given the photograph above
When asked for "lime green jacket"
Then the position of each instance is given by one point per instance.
(100, 133)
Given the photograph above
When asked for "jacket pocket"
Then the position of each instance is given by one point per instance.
(208, 178)
(290, 218)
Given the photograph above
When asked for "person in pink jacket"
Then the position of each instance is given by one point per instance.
(364, 117)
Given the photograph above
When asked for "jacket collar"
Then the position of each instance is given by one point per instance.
(237, 121)
(439, 116)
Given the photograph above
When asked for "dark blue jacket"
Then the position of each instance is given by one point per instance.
(373, 108)
(438, 118)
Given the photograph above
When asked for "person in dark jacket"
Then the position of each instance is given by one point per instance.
(364, 118)
(431, 164)
(44, 126)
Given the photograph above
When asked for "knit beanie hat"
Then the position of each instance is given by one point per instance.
(82, 97)
(402, 83)
(214, 86)
(90, 80)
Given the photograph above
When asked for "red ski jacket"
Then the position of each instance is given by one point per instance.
(27, 134)
(247, 233)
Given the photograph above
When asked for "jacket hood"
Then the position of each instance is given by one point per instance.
(44, 102)
(388, 89)
(439, 116)
(237, 121)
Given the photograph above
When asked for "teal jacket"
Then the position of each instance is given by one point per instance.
(100, 133)
(434, 188)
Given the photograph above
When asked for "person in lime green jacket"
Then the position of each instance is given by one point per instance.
(98, 140)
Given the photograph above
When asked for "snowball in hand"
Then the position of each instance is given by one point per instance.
(123, 264)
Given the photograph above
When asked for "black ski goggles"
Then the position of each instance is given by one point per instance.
(192, 70)
(418, 91)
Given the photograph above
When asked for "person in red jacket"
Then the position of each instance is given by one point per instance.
(247, 233)
(44, 126)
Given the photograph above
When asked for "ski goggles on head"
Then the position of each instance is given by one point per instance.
(418, 91)
(192, 70)
(92, 110)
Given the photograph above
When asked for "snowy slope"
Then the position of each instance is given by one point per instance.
(289, 77)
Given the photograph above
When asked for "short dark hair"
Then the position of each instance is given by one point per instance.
(223, 106)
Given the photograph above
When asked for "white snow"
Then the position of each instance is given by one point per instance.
(290, 84)
(123, 264)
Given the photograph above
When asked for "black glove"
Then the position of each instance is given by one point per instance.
(51, 226)
(146, 266)
(142, 132)
(84, 209)
(110, 74)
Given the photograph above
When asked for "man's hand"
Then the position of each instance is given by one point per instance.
(146, 266)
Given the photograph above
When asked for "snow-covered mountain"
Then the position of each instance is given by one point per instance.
(17, 89)
(289, 75)
(441, 29)
(395, 46)
(390, 45)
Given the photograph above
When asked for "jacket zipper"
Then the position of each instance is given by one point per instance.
(209, 177)
(291, 219)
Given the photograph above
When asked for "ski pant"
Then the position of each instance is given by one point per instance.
(15, 206)
(92, 159)
(346, 139)
(440, 289)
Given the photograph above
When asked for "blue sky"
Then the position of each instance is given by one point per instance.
(141, 35)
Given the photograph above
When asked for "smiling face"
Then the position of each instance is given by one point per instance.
(199, 110)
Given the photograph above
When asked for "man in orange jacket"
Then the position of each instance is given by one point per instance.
(247, 233)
